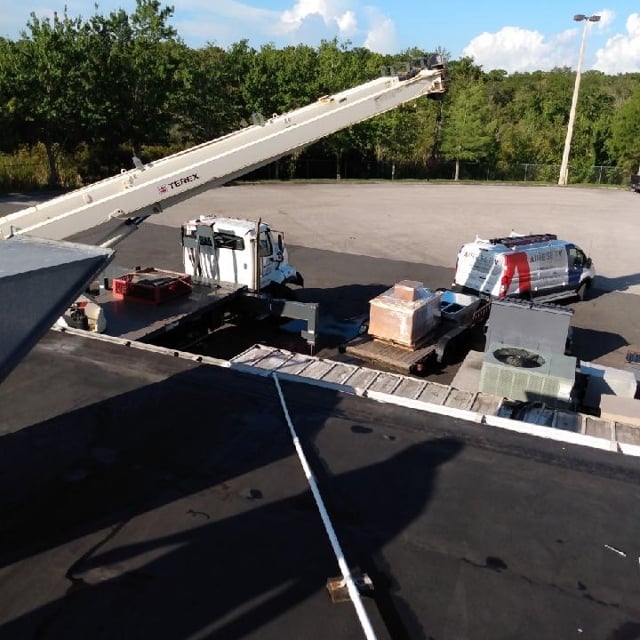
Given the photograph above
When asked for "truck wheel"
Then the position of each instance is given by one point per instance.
(281, 291)
(451, 353)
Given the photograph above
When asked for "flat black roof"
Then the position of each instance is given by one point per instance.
(149, 496)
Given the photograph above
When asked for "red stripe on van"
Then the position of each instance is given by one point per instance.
(516, 262)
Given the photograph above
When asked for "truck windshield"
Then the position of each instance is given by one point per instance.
(226, 240)
(265, 246)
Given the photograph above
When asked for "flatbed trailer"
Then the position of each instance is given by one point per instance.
(132, 318)
(461, 314)
(169, 309)
(398, 357)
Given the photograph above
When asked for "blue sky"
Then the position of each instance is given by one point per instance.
(498, 34)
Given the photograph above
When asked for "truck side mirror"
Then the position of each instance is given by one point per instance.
(280, 242)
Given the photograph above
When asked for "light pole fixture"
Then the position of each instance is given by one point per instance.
(564, 167)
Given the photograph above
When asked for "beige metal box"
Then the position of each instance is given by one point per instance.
(619, 409)
(404, 314)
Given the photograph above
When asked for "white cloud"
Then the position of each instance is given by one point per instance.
(380, 32)
(292, 19)
(312, 20)
(381, 37)
(516, 49)
(348, 24)
(334, 13)
(621, 53)
(566, 37)
(607, 18)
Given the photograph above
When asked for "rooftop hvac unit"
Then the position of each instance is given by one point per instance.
(526, 376)
(529, 325)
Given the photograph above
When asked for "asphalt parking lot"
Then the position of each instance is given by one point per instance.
(351, 240)
(426, 223)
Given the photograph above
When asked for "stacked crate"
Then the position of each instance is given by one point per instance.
(404, 314)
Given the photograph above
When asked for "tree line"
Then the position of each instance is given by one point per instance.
(87, 94)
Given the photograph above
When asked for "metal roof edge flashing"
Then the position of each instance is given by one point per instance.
(260, 353)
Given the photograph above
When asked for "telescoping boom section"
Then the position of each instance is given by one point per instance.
(139, 192)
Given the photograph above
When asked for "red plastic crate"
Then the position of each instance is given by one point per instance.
(152, 285)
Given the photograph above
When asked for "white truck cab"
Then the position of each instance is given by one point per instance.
(523, 266)
(244, 252)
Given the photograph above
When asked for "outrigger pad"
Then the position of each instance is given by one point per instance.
(337, 587)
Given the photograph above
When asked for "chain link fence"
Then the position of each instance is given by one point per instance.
(600, 174)
(31, 173)
(533, 172)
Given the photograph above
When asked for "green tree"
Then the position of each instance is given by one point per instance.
(11, 137)
(592, 127)
(624, 144)
(153, 82)
(100, 82)
(211, 106)
(46, 67)
(467, 127)
(280, 80)
(95, 91)
(342, 67)
(409, 134)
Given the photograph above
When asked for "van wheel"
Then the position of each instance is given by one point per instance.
(583, 289)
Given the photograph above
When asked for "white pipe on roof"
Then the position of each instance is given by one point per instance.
(333, 538)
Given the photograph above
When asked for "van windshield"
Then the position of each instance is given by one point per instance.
(577, 257)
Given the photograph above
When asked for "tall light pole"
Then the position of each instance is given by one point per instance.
(564, 167)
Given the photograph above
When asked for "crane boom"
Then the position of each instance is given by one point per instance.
(142, 191)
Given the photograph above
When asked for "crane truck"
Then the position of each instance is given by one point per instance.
(233, 258)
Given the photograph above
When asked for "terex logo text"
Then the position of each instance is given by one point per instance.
(170, 186)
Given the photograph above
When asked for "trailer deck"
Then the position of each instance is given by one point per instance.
(137, 319)
(434, 348)
(460, 315)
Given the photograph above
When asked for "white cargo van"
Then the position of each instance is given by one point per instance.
(523, 266)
